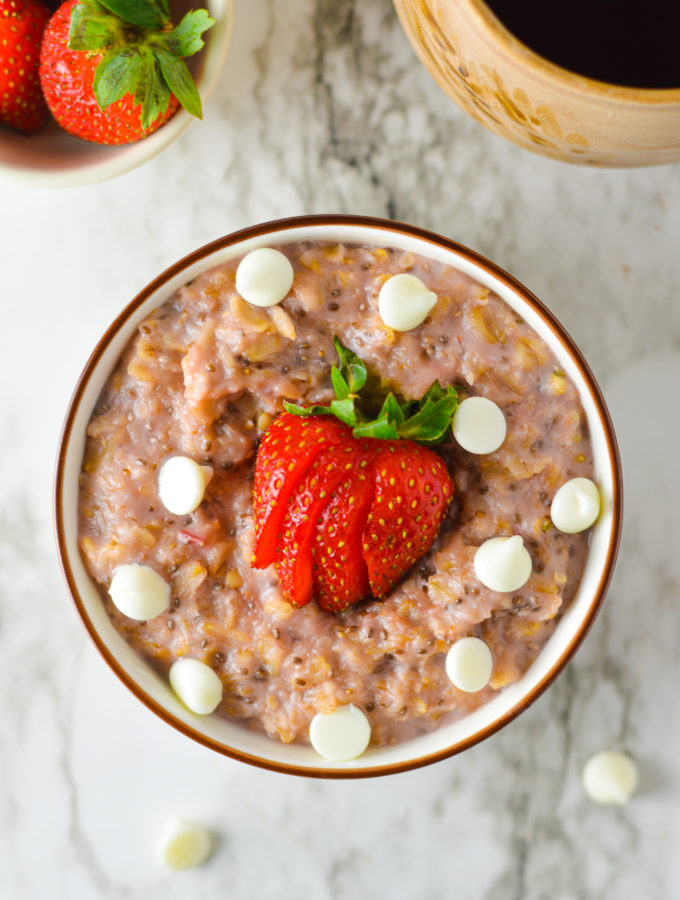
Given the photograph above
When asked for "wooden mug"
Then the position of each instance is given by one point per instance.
(532, 102)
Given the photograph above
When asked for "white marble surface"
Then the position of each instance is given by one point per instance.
(324, 108)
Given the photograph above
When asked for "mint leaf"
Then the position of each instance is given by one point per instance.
(143, 13)
(116, 75)
(352, 368)
(185, 39)
(178, 79)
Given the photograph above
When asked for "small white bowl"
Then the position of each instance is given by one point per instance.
(230, 738)
(54, 159)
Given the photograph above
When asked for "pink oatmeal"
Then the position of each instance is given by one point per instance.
(205, 375)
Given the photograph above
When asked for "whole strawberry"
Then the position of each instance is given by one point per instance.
(22, 23)
(112, 71)
(345, 508)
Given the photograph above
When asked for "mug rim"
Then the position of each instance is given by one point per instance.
(567, 77)
(379, 225)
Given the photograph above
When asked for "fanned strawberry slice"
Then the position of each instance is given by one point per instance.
(342, 516)
(312, 494)
(288, 448)
(345, 503)
(339, 571)
(412, 492)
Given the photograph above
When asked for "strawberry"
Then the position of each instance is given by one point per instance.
(319, 494)
(112, 71)
(339, 570)
(412, 492)
(287, 449)
(22, 105)
(346, 509)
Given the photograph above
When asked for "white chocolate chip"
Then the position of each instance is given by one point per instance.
(196, 685)
(139, 592)
(341, 734)
(184, 845)
(479, 425)
(503, 564)
(575, 506)
(404, 302)
(264, 277)
(469, 664)
(182, 483)
(610, 777)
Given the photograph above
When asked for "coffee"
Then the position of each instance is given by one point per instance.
(623, 42)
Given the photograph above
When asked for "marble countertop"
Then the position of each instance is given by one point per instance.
(323, 107)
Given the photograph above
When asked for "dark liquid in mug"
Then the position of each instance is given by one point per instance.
(634, 44)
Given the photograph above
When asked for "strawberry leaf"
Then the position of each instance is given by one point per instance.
(431, 423)
(344, 410)
(434, 393)
(387, 422)
(340, 386)
(92, 27)
(352, 368)
(391, 410)
(185, 39)
(145, 60)
(152, 92)
(297, 410)
(427, 421)
(178, 79)
(378, 428)
(143, 13)
(117, 74)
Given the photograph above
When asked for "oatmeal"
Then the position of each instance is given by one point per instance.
(205, 376)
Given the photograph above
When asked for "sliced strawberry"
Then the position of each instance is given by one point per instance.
(339, 571)
(288, 448)
(304, 509)
(344, 509)
(412, 492)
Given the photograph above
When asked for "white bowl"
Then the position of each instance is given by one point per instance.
(230, 738)
(53, 158)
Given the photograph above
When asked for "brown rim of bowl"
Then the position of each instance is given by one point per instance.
(514, 47)
(383, 225)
